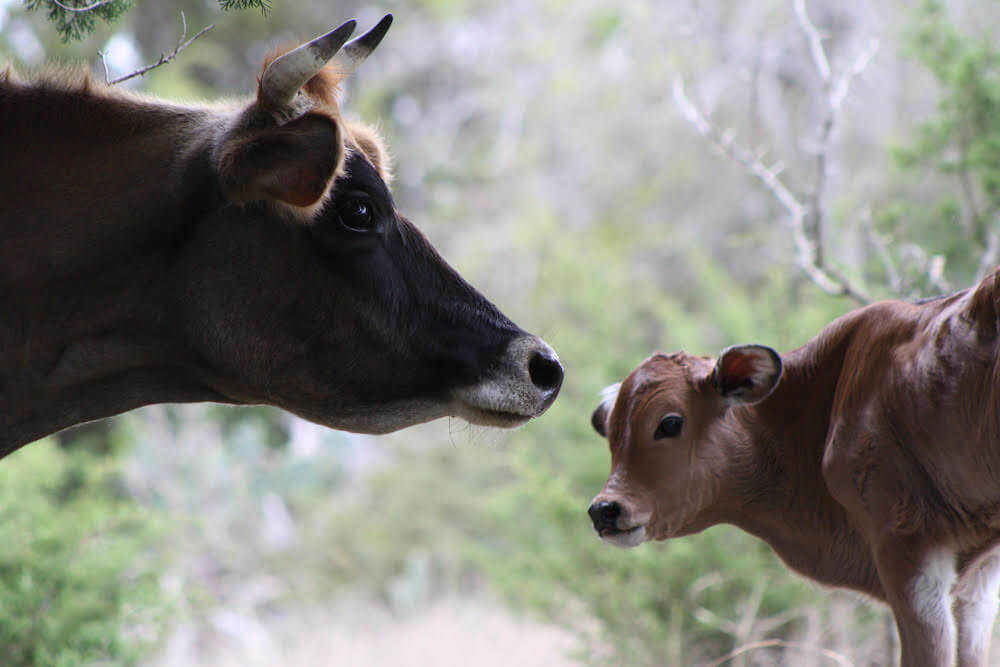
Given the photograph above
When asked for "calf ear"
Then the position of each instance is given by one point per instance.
(746, 373)
(599, 419)
(292, 163)
(983, 306)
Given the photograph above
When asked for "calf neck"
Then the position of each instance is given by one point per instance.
(868, 459)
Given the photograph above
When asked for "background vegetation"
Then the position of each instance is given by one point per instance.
(620, 180)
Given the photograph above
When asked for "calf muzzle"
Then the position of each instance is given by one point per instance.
(605, 515)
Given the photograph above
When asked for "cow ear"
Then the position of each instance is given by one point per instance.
(292, 163)
(746, 373)
(599, 418)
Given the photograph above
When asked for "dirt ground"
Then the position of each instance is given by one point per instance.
(452, 632)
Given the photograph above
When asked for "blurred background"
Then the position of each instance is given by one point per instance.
(619, 178)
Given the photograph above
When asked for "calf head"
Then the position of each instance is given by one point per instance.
(302, 286)
(668, 428)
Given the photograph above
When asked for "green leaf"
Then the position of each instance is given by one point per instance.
(263, 5)
(75, 25)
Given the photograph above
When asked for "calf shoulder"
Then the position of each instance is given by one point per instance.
(913, 445)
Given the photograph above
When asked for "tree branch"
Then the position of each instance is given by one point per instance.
(164, 57)
(882, 250)
(838, 91)
(834, 93)
(814, 39)
(81, 10)
(807, 214)
(827, 278)
(991, 254)
(780, 643)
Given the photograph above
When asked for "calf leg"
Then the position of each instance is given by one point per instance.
(918, 585)
(975, 609)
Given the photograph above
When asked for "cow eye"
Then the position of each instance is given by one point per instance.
(669, 427)
(356, 214)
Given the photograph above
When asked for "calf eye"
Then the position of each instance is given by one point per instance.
(669, 427)
(356, 214)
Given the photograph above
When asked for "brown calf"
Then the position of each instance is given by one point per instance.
(152, 252)
(868, 458)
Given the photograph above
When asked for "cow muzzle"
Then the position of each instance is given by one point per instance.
(613, 525)
(525, 384)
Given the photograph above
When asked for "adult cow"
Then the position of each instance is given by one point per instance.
(868, 459)
(152, 252)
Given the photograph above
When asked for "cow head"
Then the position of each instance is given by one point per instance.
(303, 286)
(666, 424)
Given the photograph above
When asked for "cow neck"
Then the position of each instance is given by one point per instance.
(778, 492)
(87, 330)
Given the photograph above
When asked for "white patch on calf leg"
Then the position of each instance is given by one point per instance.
(975, 611)
(931, 597)
(609, 395)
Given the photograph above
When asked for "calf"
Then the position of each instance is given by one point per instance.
(868, 459)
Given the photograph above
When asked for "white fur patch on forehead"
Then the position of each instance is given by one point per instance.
(599, 418)
(369, 142)
(609, 395)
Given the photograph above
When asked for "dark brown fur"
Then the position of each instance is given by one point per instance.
(154, 252)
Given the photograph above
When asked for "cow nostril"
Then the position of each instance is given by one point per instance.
(545, 371)
(605, 514)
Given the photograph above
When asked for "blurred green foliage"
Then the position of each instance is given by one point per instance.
(961, 140)
(602, 227)
(78, 573)
(263, 5)
(74, 19)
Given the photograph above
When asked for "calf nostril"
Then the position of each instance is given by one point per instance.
(545, 371)
(605, 514)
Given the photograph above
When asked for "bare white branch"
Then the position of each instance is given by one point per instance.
(809, 258)
(104, 61)
(835, 90)
(935, 274)
(806, 212)
(725, 142)
(839, 90)
(820, 60)
(991, 254)
(882, 250)
(164, 57)
(780, 643)
(81, 10)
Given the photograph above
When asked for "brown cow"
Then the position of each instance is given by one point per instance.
(152, 252)
(868, 458)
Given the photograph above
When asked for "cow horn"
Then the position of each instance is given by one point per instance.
(290, 71)
(352, 55)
